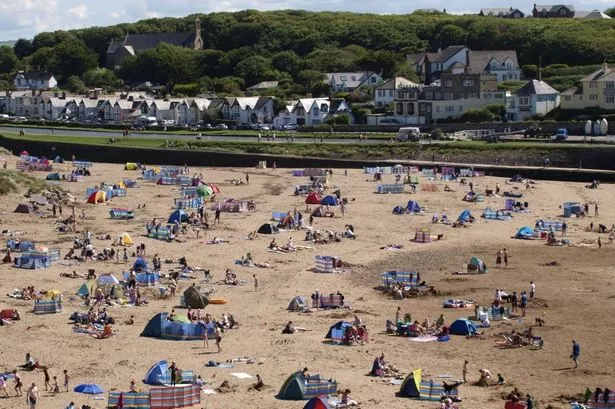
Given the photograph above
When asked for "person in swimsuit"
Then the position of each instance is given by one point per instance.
(18, 383)
(32, 396)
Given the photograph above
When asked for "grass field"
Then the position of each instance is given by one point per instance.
(476, 149)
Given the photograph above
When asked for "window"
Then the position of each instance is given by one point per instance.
(373, 79)
(437, 95)
(593, 97)
(524, 101)
(343, 78)
(391, 93)
(566, 97)
(399, 108)
(562, 11)
(437, 108)
(609, 99)
(448, 95)
(498, 95)
(468, 83)
(593, 84)
(460, 109)
(610, 85)
(353, 78)
(450, 109)
(409, 108)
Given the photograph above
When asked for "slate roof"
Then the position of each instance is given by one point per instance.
(535, 87)
(479, 60)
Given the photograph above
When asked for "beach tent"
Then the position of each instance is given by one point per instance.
(337, 331)
(525, 232)
(85, 289)
(159, 374)
(464, 216)
(140, 265)
(204, 191)
(58, 159)
(194, 299)
(477, 264)
(462, 326)
(131, 166)
(107, 279)
(470, 197)
(160, 327)
(415, 387)
(268, 228)
(399, 210)
(298, 387)
(312, 198)
(178, 216)
(317, 402)
(24, 208)
(298, 303)
(572, 208)
(98, 196)
(53, 176)
(125, 239)
(413, 207)
(329, 201)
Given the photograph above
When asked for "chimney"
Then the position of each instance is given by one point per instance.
(468, 52)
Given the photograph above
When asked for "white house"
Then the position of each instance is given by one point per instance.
(251, 110)
(534, 98)
(20, 103)
(501, 63)
(163, 110)
(310, 111)
(351, 81)
(34, 80)
(52, 108)
(87, 109)
(385, 93)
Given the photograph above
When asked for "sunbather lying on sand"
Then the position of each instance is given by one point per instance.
(74, 274)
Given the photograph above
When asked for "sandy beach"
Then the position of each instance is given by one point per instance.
(574, 298)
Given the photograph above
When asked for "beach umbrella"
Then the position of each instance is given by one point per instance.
(204, 191)
(89, 388)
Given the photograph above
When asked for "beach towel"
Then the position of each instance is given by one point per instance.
(242, 375)
(423, 338)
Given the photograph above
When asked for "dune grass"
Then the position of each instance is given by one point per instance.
(12, 181)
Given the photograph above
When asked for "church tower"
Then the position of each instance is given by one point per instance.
(198, 40)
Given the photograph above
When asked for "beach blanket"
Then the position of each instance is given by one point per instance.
(423, 338)
(242, 375)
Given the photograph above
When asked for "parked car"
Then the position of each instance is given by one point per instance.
(290, 127)
(408, 134)
(221, 126)
(561, 135)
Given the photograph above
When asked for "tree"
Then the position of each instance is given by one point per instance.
(477, 115)
(610, 12)
(73, 58)
(255, 69)
(43, 59)
(187, 90)
(75, 84)
(8, 59)
(23, 48)
(342, 119)
(286, 61)
(100, 78)
(530, 70)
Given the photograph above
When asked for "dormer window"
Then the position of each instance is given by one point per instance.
(343, 78)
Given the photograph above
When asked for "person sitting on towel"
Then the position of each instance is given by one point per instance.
(273, 245)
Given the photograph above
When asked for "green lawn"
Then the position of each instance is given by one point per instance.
(329, 150)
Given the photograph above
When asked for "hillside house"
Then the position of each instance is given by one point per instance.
(385, 93)
(501, 12)
(352, 81)
(553, 11)
(310, 111)
(596, 90)
(534, 98)
(34, 80)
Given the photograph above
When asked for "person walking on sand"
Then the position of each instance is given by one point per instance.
(505, 258)
(576, 352)
(596, 209)
(47, 378)
(173, 371)
(218, 338)
(66, 379)
(18, 383)
(32, 396)
(247, 178)
(255, 282)
(465, 371)
(532, 290)
(498, 259)
(217, 216)
(343, 209)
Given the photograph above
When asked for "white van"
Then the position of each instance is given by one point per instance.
(408, 134)
(146, 121)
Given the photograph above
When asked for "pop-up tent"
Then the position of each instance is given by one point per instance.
(465, 216)
(53, 176)
(477, 265)
(98, 196)
(125, 240)
(415, 387)
(204, 191)
(24, 208)
(329, 201)
(131, 166)
(298, 387)
(178, 216)
(160, 327)
(318, 402)
(140, 265)
(159, 374)
(399, 210)
(298, 303)
(337, 331)
(312, 198)
(413, 207)
(525, 232)
(462, 326)
(194, 299)
(268, 228)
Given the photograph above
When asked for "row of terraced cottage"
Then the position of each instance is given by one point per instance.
(454, 80)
